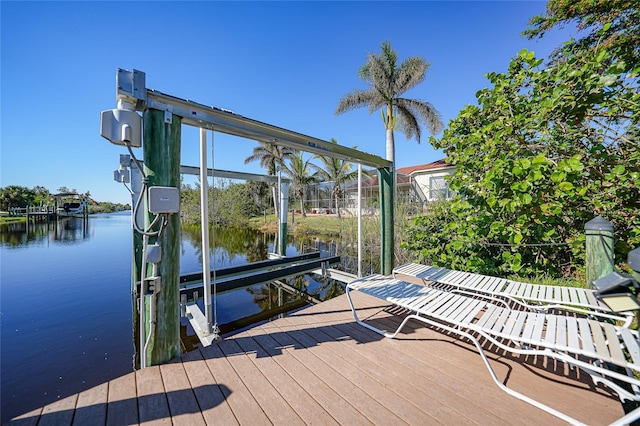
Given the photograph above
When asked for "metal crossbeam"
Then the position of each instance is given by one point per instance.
(227, 174)
(131, 86)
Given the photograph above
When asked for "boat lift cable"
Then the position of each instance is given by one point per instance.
(215, 329)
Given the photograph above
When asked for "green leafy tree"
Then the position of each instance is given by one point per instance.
(336, 171)
(299, 171)
(612, 24)
(543, 152)
(17, 196)
(388, 82)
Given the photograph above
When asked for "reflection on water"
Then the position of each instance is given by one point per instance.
(66, 301)
(62, 230)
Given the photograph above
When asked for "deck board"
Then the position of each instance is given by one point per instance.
(318, 366)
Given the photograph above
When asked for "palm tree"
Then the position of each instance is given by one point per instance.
(271, 157)
(299, 172)
(388, 82)
(336, 171)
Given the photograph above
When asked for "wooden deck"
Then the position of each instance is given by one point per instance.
(319, 367)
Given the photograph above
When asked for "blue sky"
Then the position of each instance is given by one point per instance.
(283, 63)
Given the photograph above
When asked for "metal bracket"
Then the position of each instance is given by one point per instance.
(168, 117)
(130, 86)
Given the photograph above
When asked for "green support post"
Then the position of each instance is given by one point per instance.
(599, 249)
(162, 168)
(386, 178)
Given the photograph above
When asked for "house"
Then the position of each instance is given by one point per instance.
(417, 185)
(430, 179)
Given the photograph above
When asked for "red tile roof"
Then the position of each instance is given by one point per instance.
(439, 164)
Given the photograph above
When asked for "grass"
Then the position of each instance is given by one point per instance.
(12, 219)
(313, 225)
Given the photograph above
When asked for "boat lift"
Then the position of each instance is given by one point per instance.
(158, 191)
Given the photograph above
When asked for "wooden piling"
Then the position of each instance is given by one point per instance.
(162, 167)
(386, 178)
(599, 249)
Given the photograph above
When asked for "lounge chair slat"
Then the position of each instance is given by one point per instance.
(573, 296)
(449, 309)
(511, 322)
(582, 297)
(614, 343)
(592, 298)
(520, 290)
(500, 321)
(537, 331)
(511, 287)
(529, 326)
(497, 286)
(600, 341)
(573, 339)
(483, 283)
(564, 291)
(550, 330)
(631, 343)
(517, 329)
(446, 276)
(529, 291)
(463, 310)
(487, 314)
(471, 281)
(471, 315)
(561, 332)
(437, 303)
(587, 342)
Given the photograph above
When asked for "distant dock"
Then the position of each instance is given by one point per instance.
(34, 213)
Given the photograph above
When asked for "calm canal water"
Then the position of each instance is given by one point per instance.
(65, 305)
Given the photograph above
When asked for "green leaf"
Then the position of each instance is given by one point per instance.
(497, 226)
(517, 238)
(619, 169)
(608, 80)
(558, 176)
(517, 170)
(565, 186)
(526, 198)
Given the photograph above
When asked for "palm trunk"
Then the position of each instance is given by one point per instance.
(337, 207)
(391, 156)
(274, 193)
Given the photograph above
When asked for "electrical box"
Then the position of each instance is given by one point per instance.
(154, 253)
(122, 176)
(164, 199)
(121, 127)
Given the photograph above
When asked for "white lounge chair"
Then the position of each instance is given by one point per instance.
(532, 296)
(580, 342)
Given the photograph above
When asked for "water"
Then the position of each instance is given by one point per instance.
(65, 305)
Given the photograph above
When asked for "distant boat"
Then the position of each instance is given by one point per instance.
(71, 204)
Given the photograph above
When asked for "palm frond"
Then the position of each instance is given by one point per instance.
(424, 112)
(356, 99)
(411, 72)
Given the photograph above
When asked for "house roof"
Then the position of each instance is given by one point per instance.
(439, 164)
(401, 180)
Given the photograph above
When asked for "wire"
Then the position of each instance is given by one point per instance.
(135, 160)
